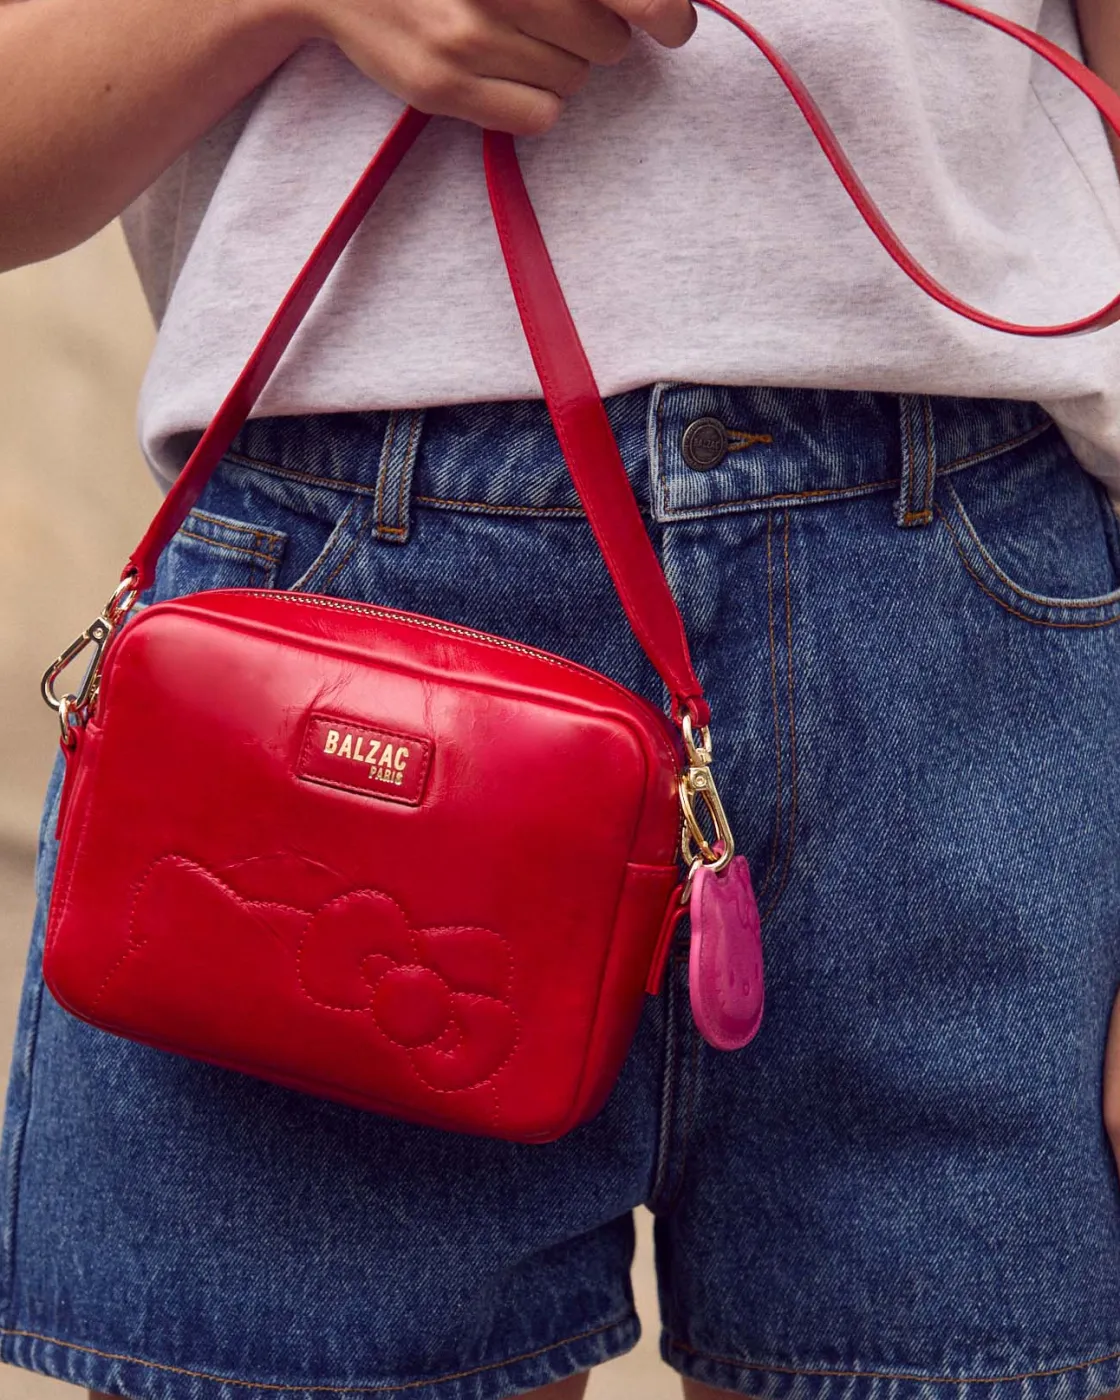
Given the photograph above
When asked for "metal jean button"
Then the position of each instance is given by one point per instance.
(704, 444)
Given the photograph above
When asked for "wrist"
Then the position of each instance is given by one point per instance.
(288, 23)
(262, 33)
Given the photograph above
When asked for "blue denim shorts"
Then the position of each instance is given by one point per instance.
(903, 611)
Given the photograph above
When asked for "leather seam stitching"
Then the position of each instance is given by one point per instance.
(487, 1082)
(432, 624)
(133, 946)
(63, 890)
(309, 915)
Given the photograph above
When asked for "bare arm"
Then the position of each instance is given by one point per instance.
(97, 97)
(1100, 33)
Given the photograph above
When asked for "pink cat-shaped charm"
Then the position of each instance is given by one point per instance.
(725, 963)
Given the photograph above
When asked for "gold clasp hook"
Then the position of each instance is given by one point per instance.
(698, 781)
(95, 635)
(77, 704)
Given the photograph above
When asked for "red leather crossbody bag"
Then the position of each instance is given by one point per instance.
(285, 845)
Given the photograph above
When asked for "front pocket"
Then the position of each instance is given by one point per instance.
(1036, 534)
(213, 551)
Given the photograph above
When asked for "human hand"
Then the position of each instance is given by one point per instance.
(507, 64)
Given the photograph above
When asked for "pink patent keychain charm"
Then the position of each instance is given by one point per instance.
(725, 961)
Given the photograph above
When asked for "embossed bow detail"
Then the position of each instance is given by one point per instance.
(439, 995)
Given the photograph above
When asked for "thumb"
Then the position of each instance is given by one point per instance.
(670, 22)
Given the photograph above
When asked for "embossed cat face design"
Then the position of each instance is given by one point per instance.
(438, 996)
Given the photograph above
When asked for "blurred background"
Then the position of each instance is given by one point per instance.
(75, 496)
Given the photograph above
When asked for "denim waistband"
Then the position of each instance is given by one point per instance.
(691, 451)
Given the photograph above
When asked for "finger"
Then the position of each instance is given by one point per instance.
(586, 28)
(497, 103)
(520, 59)
(670, 22)
(443, 79)
(1112, 1081)
(476, 48)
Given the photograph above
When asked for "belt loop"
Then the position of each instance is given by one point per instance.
(919, 461)
(399, 448)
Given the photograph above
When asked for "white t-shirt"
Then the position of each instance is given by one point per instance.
(696, 227)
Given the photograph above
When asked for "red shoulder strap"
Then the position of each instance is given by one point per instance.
(238, 403)
(584, 432)
(567, 381)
